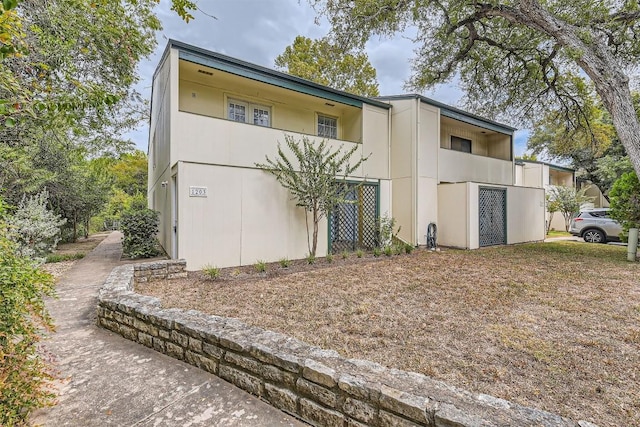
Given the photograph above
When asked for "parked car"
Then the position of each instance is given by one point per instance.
(595, 226)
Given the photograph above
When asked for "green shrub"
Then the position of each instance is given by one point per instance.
(329, 258)
(260, 266)
(23, 317)
(311, 259)
(36, 229)
(345, 254)
(387, 231)
(388, 250)
(211, 272)
(139, 227)
(284, 262)
(625, 201)
(408, 248)
(377, 252)
(51, 258)
(359, 253)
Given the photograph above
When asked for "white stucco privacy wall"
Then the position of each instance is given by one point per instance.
(458, 214)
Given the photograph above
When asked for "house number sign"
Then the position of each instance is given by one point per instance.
(197, 191)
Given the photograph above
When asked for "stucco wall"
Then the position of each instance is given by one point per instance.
(525, 214)
(247, 216)
(455, 166)
(453, 215)
(403, 145)
(159, 197)
(458, 215)
(207, 95)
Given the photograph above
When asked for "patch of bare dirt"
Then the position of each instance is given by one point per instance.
(81, 245)
(58, 269)
(554, 326)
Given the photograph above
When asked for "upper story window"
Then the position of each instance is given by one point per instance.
(247, 112)
(460, 144)
(327, 127)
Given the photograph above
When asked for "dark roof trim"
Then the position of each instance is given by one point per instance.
(241, 68)
(551, 165)
(457, 114)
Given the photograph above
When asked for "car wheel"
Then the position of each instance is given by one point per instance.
(594, 236)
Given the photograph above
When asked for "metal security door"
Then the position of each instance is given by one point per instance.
(353, 225)
(493, 216)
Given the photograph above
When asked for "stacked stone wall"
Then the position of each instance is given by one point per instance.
(316, 385)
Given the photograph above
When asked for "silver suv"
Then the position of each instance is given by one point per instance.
(595, 226)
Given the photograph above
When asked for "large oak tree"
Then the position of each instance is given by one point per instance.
(522, 57)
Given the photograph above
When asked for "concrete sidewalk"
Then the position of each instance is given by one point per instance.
(108, 380)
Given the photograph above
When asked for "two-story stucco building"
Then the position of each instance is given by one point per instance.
(214, 117)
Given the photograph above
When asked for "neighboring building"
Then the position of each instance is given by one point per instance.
(214, 117)
(530, 173)
(598, 200)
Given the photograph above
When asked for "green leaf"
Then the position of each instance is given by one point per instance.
(9, 122)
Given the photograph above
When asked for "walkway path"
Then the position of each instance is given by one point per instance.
(111, 381)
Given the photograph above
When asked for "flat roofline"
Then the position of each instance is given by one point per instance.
(456, 113)
(242, 68)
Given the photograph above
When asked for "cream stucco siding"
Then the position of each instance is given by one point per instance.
(403, 145)
(458, 215)
(427, 166)
(453, 218)
(525, 214)
(454, 166)
(247, 216)
(159, 196)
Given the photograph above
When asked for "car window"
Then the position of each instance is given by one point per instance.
(594, 214)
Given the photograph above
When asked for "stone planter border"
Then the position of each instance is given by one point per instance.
(315, 385)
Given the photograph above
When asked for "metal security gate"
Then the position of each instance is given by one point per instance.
(354, 225)
(493, 216)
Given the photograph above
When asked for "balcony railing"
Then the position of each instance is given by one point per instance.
(455, 166)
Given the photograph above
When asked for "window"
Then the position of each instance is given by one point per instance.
(327, 127)
(237, 111)
(460, 144)
(246, 112)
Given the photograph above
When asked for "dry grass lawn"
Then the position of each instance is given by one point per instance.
(551, 325)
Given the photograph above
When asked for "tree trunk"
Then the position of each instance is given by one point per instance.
(597, 61)
(549, 222)
(315, 233)
(75, 227)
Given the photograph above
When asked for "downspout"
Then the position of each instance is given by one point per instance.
(389, 175)
(415, 178)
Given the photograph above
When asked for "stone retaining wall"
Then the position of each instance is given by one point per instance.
(318, 386)
(150, 271)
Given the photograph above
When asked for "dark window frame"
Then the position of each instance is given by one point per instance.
(460, 144)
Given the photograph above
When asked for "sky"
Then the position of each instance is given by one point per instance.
(257, 31)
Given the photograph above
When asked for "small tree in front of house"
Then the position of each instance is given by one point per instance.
(569, 200)
(553, 206)
(315, 177)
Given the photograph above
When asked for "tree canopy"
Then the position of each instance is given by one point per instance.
(515, 58)
(329, 65)
(588, 142)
